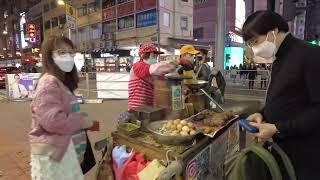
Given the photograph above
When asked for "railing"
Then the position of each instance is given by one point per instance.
(95, 85)
(247, 82)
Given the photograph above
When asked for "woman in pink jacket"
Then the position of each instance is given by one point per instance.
(54, 121)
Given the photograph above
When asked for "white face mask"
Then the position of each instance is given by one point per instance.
(190, 57)
(65, 62)
(266, 49)
(152, 60)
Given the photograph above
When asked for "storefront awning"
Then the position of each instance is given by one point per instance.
(180, 42)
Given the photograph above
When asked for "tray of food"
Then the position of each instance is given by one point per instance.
(212, 123)
(173, 132)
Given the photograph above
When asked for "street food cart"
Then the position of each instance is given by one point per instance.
(192, 156)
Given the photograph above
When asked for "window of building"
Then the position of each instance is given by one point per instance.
(92, 7)
(54, 22)
(185, 0)
(62, 19)
(198, 33)
(96, 31)
(82, 11)
(108, 3)
(198, 2)
(166, 19)
(161, 3)
(126, 22)
(109, 27)
(47, 24)
(53, 4)
(122, 1)
(184, 22)
(46, 7)
(84, 34)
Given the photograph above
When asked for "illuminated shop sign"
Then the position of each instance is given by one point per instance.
(32, 33)
(24, 44)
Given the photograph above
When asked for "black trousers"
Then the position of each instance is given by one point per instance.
(251, 84)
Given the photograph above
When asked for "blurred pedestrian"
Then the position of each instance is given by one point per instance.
(203, 70)
(252, 74)
(55, 116)
(233, 73)
(217, 85)
(264, 75)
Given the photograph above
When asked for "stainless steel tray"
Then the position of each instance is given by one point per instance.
(197, 119)
(168, 139)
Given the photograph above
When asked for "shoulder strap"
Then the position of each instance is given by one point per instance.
(285, 159)
(268, 159)
(199, 71)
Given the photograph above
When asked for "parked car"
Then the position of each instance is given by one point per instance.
(4, 71)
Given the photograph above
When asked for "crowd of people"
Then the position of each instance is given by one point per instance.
(251, 72)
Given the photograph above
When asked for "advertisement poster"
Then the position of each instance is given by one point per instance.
(108, 14)
(176, 98)
(147, 18)
(142, 5)
(112, 85)
(125, 9)
(198, 167)
(22, 86)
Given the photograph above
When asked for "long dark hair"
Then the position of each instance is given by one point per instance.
(69, 79)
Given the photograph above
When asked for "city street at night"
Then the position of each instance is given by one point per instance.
(159, 89)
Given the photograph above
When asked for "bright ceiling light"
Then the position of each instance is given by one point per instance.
(61, 2)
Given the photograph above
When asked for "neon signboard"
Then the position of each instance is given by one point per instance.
(32, 33)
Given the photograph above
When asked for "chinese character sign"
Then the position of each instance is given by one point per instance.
(32, 33)
(71, 16)
(147, 18)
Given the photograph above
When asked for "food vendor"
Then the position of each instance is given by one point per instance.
(187, 53)
(291, 113)
(141, 76)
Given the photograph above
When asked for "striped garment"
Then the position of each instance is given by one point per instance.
(140, 86)
(79, 138)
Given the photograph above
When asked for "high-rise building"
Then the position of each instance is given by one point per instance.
(206, 18)
(129, 23)
(312, 19)
(9, 26)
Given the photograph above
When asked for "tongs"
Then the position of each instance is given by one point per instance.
(214, 101)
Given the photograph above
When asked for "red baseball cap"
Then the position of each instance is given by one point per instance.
(149, 48)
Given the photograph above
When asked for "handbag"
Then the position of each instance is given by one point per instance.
(89, 160)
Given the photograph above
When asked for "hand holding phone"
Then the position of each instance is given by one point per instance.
(247, 126)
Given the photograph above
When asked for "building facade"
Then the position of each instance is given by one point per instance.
(312, 19)
(10, 50)
(129, 23)
(206, 18)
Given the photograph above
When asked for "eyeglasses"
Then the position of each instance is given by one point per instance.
(63, 52)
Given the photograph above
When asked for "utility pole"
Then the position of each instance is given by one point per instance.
(220, 35)
(158, 24)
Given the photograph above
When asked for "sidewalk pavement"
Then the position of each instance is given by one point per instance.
(15, 126)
